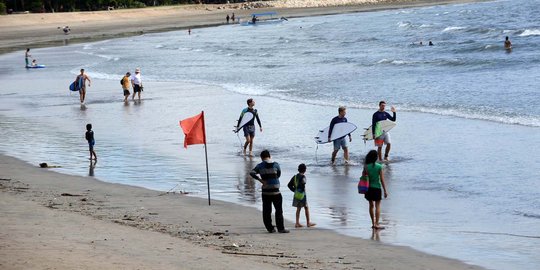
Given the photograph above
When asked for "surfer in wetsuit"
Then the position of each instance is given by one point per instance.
(249, 127)
(383, 138)
(339, 142)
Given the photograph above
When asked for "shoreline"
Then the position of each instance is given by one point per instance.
(34, 199)
(20, 31)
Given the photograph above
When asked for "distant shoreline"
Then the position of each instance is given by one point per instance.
(20, 31)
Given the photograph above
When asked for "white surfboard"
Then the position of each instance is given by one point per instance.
(386, 126)
(248, 116)
(339, 130)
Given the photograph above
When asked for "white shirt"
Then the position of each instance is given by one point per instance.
(136, 78)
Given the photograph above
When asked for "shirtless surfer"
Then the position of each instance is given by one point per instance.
(80, 83)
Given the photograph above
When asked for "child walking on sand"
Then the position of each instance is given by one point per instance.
(376, 180)
(90, 138)
(298, 186)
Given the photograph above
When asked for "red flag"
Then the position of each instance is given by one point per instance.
(193, 128)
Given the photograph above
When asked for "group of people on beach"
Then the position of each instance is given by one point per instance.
(231, 18)
(128, 80)
(268, 171)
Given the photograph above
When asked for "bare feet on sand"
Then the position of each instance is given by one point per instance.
(298, 225)
(312, 224)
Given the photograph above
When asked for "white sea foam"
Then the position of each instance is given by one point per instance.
(530, 32)
(403, 24)
(453, 28)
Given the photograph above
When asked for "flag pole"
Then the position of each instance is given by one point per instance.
(206, 157)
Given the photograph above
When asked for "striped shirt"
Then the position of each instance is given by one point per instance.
(269, 174)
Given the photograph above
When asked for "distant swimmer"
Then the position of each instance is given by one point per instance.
(430, 43)
(507, 43)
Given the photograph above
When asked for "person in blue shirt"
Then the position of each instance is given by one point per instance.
(249, 128)
(339, 142)
(268, 172)
(382, 115)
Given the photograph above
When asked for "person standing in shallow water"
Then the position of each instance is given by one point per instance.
(378, 116)
(507, 43)
(374, 193)
(27, 57)
(249, 128)
(136, 84)
(339, 142)
(81, 84)
(125, 86)
(89, 135)
(268, 172)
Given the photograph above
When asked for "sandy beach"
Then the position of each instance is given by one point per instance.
(55, 221)
(44, 29)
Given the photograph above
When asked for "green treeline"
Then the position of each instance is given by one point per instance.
(9, 6)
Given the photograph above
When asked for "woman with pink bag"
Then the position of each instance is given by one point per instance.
(374, 192)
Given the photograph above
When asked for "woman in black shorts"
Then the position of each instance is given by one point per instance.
(374, 193)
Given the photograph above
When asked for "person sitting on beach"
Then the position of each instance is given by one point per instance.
(89, 135)
(339, 142)
(507, 43)
(297, 184)
(249, 128)
(384, 138)
(66, 29)
(268, 172)
(373, 195)
(125, 86)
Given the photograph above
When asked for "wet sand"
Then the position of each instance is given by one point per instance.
(51, 220)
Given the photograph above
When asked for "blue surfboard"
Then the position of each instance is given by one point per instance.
(36, 66)
(73, 86)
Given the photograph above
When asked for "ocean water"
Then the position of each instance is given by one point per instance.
(463, 180)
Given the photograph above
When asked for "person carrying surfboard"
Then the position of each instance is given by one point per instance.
(81, 84)
(339, 142)
(249, 127)
(382, 137)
